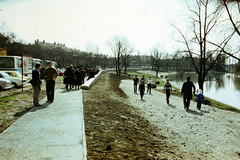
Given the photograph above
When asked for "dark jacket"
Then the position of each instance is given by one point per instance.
(69, 76)
(36, 76)
(83, 73)
(78, 76)
(187, 89)
(135, 81)
(141, 88)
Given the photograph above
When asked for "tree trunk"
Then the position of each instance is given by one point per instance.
(200, 83)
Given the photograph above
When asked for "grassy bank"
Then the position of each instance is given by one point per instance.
(213, 102)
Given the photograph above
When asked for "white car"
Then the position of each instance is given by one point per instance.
(5, 84)
(17, 82)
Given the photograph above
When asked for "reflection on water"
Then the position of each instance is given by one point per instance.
(223, 87)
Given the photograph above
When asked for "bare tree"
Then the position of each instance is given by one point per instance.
(120, 48)
(205, 23)
(126, 58)
(156, 56)
(226, 4)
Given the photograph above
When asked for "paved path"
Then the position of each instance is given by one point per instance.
(52, 131)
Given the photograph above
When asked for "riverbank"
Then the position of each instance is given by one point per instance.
(177, 87)
(211, 133)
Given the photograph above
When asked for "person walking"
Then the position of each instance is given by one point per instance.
(141, 89)
(50, 75)
(167, 89)
(143, 79)
(135, 83)
(73, 70)
(200, 99)
(37, 87)
(149, 85)
(187, 90)
(68, 77)
(83, 73)
(78, 80)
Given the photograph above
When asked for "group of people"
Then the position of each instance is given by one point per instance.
(50, 75)
(188, 89)
(72, 77)
(142, 84)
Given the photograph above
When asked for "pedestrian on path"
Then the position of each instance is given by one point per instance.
(188, 89)
(78, 80)
(149, 84)
(68, 77)
(141, 89)
(200, 99)
(50, 75)
(135, 83)
(37, 87)
(143, 79)
(83, 73)
(167, 89)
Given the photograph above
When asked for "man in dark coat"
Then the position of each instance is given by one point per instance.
(68, 77)
(187, 92)
(78, 80)
(83, 73)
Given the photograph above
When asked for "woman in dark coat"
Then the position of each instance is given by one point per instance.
(69, 77)
(78, 80)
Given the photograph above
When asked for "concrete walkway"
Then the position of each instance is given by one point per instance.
(51, 131)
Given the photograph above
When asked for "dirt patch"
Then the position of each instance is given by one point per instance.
(14, 103)
(114, 129)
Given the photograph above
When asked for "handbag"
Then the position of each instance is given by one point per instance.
(33, 82)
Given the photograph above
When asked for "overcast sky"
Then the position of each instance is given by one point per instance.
(78, 22)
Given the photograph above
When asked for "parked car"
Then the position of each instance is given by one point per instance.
(17, 74)
(17, 82)
(5, 84)
(61, 71)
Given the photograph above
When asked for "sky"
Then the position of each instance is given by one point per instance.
(76, 23)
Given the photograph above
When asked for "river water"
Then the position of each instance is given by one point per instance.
(225, 90)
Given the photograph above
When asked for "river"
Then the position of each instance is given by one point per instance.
(227, 91)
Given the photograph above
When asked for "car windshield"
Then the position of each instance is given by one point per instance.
(18, 74)
(4, 74)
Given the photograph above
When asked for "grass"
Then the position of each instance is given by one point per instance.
(213, 102)
(4, 101)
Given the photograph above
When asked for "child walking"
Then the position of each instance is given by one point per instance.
(149, 82)
(200, 99)
(142, 89)
(167, 89)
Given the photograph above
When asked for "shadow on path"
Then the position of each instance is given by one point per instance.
(170, 105)
(35, 108)
(194, 112)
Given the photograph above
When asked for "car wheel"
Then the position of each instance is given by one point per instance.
(15, 85)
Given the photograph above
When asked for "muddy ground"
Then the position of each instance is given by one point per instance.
(114, 129)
